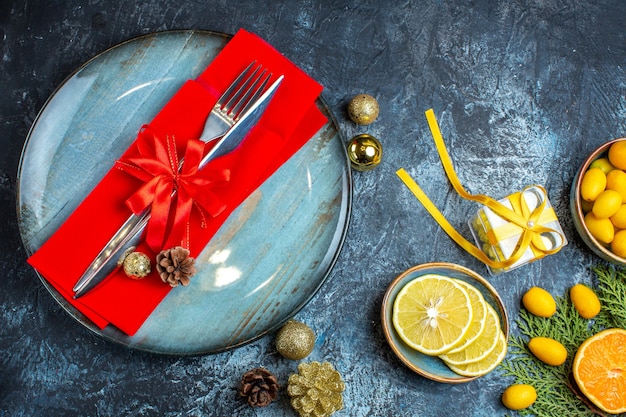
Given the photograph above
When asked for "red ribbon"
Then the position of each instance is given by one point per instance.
(171, 193)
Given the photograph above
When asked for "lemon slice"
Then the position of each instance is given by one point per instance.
(479, 306)
(482, 346)
(432, 313)
(485, 365)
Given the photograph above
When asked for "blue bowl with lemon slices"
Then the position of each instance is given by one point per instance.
(434, 299)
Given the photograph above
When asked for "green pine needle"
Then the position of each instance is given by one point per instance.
(557, 394)
(612, 295)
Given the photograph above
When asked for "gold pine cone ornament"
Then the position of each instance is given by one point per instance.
(316, 390)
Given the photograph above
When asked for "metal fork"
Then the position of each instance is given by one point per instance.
(236, 100)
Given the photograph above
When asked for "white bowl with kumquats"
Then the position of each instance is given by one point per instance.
(445, 322)
(598, 201)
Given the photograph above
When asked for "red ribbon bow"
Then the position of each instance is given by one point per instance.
(167, 189)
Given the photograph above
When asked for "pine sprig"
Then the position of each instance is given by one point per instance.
(557, 393)
(554, 393)
(612, 295)
(569, 328)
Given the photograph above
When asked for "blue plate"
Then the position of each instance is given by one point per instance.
(429, 366)
(268, 259)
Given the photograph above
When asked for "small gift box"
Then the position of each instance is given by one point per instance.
(509, 233)
(501, 239)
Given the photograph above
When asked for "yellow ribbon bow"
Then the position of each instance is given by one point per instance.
(523, 220)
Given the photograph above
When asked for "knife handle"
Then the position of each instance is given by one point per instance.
(127, 236)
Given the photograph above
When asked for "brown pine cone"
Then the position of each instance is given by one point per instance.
(260, 387)
(175, 266)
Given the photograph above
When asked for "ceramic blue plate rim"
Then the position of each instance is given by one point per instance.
(328, 252)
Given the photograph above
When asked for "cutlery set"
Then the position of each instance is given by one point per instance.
(234, 115)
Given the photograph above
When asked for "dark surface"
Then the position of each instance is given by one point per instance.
(523, 92)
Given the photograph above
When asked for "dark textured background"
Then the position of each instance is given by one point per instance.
(523, 91)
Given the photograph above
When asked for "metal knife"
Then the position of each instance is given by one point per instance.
(130, 233)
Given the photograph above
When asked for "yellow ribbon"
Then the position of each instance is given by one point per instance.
(529, 221)
(519, 204)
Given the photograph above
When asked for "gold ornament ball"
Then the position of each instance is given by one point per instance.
(365, 152)
(136, 265)
(363, 109)
(295, 340)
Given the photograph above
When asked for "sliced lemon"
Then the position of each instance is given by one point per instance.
(485, 365)
(482, 346)
(432, 313)
(479, 307)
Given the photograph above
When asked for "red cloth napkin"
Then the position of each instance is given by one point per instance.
(290, 121)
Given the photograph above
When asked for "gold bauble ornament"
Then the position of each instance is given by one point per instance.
(365, 152)
(136, 265)
(295, 340)
(363, 109)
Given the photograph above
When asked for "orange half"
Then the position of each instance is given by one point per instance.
(600, 370)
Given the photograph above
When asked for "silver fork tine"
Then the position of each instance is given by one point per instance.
(239, 96)
(250, 95)
(234, 88)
